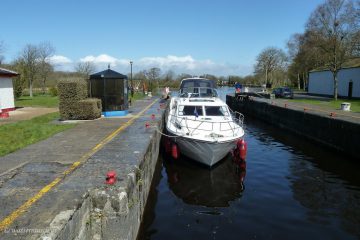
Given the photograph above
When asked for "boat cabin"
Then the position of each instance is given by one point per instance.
(214, 108)
(198, 88)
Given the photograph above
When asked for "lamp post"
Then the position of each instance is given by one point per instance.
(131, 80)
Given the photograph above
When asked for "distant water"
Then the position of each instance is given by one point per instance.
(292, 189)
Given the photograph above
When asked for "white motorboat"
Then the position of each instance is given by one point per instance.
(200, 124)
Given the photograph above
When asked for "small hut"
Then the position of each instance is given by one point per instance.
(112, 88)
(6, 92)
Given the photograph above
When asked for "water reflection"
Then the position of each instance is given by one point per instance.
(295, 189)
(325, 183)
(199, 185)
(325, 197)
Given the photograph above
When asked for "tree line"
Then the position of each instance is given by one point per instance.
(330, 41)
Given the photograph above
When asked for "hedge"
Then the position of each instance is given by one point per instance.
(73, 104)
(88, 109)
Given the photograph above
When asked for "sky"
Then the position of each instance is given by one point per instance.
(220, 37)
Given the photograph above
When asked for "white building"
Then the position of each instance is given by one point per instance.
(322, 83)
(7, 102)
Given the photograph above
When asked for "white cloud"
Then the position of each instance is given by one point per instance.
(61, 63)
(58, 59)
(104, 59)
(179, 64)
(187, 64)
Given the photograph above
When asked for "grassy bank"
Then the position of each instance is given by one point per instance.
(355, 104)
(37, 101)
(18, 135)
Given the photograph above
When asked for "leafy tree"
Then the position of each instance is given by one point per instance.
(19, 82)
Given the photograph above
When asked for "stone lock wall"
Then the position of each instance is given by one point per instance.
(335, 133)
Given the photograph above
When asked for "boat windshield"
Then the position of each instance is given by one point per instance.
(216, 111)
(196, 82)
(190, 111)
(198, 92)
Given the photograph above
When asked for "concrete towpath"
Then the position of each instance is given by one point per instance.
(26, 113)
(317, 109)
(43, 179)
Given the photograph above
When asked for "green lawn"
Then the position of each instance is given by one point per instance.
(137, 96)
(37, 101)
(355, 104)
(18, 135)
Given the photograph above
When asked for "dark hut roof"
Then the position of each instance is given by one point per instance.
(7, 73)
(107, 74)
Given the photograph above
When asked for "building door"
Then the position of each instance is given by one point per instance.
(350, 89)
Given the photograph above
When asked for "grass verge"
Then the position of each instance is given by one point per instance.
(355, 104)
(137, 96)
(18, 135)
(37, 101)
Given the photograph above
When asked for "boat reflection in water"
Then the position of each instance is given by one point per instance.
(196, 184)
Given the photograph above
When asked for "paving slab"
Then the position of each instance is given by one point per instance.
(25, 172)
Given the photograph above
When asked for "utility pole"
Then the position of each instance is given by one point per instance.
(131, 79)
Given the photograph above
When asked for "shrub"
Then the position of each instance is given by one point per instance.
(53, 91)
(18, 86)
(88, 109)
(70, 93)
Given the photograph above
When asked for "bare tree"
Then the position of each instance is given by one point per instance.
(270, 60)
(153, 74)
(183, 76)
(304, 57)
(141, 76)
(2, 50)
(29, 57)
(45, 51)
(334, 24)
(85, 68)
(169, 75)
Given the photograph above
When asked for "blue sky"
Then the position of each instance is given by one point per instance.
(195, 36)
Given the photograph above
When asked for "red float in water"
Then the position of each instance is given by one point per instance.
(242, 147)
(174, 151)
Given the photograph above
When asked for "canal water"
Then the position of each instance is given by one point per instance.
(291, 189)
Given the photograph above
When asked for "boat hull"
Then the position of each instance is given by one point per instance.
(208, 153)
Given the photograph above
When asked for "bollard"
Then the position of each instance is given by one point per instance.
(110, 177)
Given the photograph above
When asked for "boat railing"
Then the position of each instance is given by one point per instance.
(232, 124)
(197, 92)
(237, 117)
